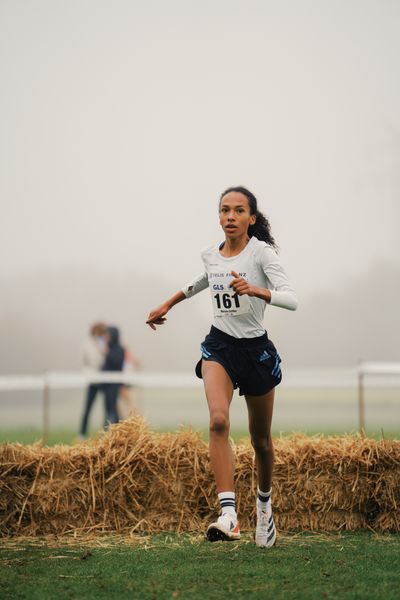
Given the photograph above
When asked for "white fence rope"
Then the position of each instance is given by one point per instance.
(371, 368)
(79, 380)
(293, 378)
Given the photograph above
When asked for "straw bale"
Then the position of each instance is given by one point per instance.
(132, 480)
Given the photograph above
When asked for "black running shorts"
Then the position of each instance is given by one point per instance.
(253, 364)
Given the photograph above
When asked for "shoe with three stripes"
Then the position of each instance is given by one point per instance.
(225, 528)
(265, 529)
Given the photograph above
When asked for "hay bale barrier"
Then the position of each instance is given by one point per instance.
(134, 480)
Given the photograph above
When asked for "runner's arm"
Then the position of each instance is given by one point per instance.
(282, 293)
(198, 284)
(157, 316)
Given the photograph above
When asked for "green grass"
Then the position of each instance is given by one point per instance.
(302, 566)
(29, 436)
(68, 436)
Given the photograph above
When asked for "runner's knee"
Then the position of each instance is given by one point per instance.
(262, 445)
(219, 423)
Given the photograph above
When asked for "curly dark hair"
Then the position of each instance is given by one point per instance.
(261, 228)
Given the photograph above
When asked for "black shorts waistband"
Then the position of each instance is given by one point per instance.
(225, 337)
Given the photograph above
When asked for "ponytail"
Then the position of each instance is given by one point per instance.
(261, 228)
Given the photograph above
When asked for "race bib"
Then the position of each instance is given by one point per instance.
(227, 302)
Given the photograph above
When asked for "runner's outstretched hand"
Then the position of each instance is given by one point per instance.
(157, 316)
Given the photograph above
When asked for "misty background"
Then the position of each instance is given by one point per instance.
(121, 124)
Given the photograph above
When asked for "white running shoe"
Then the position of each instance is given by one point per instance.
(265, 530)
(226, 527)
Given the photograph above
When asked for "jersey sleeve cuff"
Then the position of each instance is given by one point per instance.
(286, 300)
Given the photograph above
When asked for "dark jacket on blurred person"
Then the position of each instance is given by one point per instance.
(114, 361)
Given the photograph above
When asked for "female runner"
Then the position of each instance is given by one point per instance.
(244, 274)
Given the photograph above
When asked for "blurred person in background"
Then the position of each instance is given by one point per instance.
(93, 351)
(114, 361)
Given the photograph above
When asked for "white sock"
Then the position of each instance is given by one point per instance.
(227, 502)
(263, 500)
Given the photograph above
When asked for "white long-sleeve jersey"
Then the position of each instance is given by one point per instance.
(259, 264)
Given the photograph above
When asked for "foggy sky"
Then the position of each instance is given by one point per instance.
(121, 123)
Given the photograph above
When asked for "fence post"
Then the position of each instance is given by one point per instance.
(361, 405)
(46, 408)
